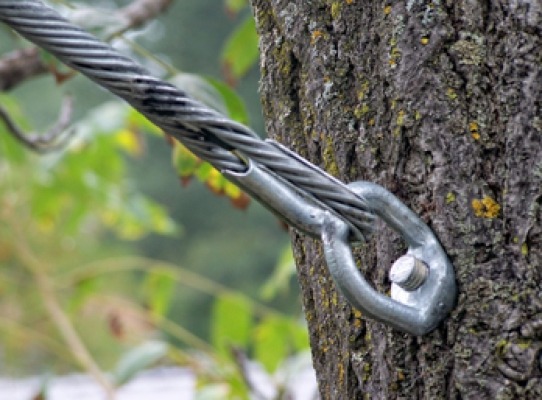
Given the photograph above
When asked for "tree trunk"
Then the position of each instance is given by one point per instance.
(439, 102)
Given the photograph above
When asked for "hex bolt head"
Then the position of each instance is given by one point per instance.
(408, 272)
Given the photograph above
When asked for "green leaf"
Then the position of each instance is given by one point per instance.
(159, 288)
(204, 171)
(236, 109)
(159, 219)
(272, 342)
(137, 360)
(188, 166)
(231, 323)
(283, 272)
(10, 148)
(216, 181)
(241, 50)
(185, 162)
(82, 291)
(133, 216)
(135, 119)
(299, 335)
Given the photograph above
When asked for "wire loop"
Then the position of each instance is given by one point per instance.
(301, 193)
(207, 133)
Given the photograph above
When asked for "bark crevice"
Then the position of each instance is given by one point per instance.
(440, 103)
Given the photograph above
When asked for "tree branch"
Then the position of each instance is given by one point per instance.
(20, 65)
(242, 362)
(52, 306)
(54, 139)
(139, 12)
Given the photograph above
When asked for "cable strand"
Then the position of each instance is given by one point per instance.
(207, 133)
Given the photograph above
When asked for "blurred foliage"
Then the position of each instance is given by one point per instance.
(72, 298)
(235, 6)
(285, 270)
(55, 210)
(220, 97)
(241, 50)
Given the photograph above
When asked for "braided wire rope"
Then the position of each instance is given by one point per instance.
(226, 144)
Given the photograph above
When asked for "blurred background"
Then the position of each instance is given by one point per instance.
(124, 234)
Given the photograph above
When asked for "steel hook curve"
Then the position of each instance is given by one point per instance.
(416, 311)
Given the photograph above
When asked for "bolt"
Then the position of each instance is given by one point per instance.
(408, 272)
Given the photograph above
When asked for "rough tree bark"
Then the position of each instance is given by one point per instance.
(440, 102)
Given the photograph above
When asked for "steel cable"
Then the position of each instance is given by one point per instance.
(208, 134)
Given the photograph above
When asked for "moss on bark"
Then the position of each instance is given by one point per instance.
(438, 101)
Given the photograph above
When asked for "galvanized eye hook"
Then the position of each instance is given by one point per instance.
(306, 197)
(424, 289)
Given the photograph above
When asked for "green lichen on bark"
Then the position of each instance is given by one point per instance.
(438, 102)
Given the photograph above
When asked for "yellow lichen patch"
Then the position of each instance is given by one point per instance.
(500, 347)
(372, 122)
(400, 375)
(361, 110)
(387, 9)
(450, 197)
(524, 249)
(330, 164)
(341, 373)
(450, 92)
(473, 128)
(524, 344)
(316, 35)
(424, 40)
(395, 56)
(364, 90)
(334, 299)
(485, 207)
(401, 118)
(335, 10)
